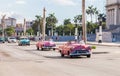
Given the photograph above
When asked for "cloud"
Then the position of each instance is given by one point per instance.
(20, 2)
(12, 15)
(65, 2)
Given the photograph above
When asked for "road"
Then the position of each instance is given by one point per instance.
(27, 61)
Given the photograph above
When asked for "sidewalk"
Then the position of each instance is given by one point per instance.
(117, 44)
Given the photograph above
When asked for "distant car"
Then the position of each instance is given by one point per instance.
(23, 41)
(2, 40)
(48, 44)
(72, 49)
(12, 40)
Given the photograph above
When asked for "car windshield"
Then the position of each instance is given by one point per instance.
(1, 38)
(11, 38)
(23, 38)
(82, 42)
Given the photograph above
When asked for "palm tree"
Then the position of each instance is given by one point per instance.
(90, 11)
(51, 21)
(37, 26)
(39, 21)
(96, 12)
(68, 26)
(67, 21)
(78, 18)
(103, 17)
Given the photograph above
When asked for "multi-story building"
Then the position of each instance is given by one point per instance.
(29, 24)
(113, 18)
(21, 28)
(10, 22)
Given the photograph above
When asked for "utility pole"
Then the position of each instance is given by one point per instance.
(3, 25)
(24, 27)
(44, 24)
(83, 21)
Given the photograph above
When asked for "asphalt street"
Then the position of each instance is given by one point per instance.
(27, 61)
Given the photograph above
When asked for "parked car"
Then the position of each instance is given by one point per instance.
(23, 41)
(12, 39)
(2, 40)
(73, 48)
(48, 44)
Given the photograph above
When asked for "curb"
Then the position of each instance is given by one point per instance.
(89, 43)
(105, 44)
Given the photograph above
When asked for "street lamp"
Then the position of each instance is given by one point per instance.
(100, 30)
(76, 30)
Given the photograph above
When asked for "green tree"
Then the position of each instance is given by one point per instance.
(77, 18)
(59, 30)
(91, 27)
(37, 26)
(90, 11)
(69, 29)
(30, 31)
(10, 31)
(96, 12)
(51, 21)
(103, 17)
(67, 21)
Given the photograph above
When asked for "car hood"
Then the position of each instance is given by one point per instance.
(79, 47)
(47, 43)
(24, 40)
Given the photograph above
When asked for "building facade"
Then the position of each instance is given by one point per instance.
(10, 22)
(113, 18)
(29, 24)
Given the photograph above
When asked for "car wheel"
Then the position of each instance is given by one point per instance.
(69, 55)
(19, 44)
(62, 55)
(42, 49)
(88, 56)
(53, 48)
(37, 48)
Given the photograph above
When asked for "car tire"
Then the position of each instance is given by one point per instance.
(53, 48)
(62, 55)
(19, 44)
(88, 56)
(69, 55)
(42, 49)
(37, 48)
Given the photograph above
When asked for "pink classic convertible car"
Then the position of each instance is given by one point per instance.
(73, 48)
(49, 44)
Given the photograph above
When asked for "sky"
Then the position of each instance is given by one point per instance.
(63, 9)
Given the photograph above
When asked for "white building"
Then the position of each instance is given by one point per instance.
(10, 22)
(29, 24)
(113, 18)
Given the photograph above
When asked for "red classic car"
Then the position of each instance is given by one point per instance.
(75, 49)
(49, 44)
